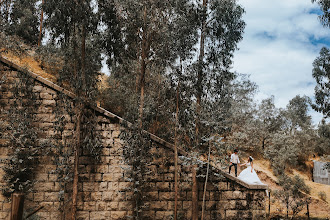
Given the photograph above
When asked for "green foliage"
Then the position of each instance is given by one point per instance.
(24, 20)
(20, 18)
(221, 149)
(153, 19)
(111, 32)
(293, 194)
(221, 28)
(282, 152)
(321, 73)
(5, 7)
(73, 27)
(244, 129)
(296, 114)
(92, 145)
(21, 134)
(61, 147)
(322, 67)
(138, 156)
(325, 7)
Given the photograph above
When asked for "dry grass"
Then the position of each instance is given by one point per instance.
(30, 63)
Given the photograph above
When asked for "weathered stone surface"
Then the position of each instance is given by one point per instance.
(51, 196)
(89, 206)
(163, 215)
(48, 102)
(118, 215)
(166, 196)
(6, 206)
(238, 195)
(44, 95)
(100, 215)
(107, 196)
(125, 206)
(82, 215)
(108, 177)
(38, 197)
(112, 206)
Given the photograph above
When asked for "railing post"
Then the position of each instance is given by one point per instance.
(307, 202)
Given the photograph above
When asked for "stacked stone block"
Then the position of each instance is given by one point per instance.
(104, 189)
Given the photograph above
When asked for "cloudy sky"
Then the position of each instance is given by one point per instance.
(281, 40)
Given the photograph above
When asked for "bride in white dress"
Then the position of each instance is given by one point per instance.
(249, 175)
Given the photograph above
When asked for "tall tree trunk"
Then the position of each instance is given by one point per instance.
(199, 80)
(207, 175)
(83, 62)
(137, 84)
(76, 161)
(200, 71)
(41, 21)
(142, 87)
(176, 153)
(194, 193)
(79, 113)
(143, 68)
(198, 107)
(159, 102)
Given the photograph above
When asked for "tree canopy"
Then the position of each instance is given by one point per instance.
(321, 73)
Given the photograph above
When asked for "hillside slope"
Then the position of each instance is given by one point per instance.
(318, 208)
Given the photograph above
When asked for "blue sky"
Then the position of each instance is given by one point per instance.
(281, 40)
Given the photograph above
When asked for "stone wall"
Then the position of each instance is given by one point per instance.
(104, 189)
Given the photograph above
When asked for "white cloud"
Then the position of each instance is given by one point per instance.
(279, 46)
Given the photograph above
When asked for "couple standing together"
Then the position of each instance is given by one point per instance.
(248, 175)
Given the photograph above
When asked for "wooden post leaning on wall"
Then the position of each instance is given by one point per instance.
(17, 204)
(269, 204)
(194, 193)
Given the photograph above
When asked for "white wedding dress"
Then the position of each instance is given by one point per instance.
(250, 177)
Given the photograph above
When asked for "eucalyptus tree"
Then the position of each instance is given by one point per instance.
(146, 27)
(220, 30)
(221, 27)
(268, 120)
(323, 141)
(293, 194)
(296, 114)
(243, 111)
(325, 7)
(20, 17)
(321, 67)
(185, 37)
(298, 124)
(291, 138)
(75, 28)
(112, 42)
(321, 73)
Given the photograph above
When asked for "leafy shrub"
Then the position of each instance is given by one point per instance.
(322, 196)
